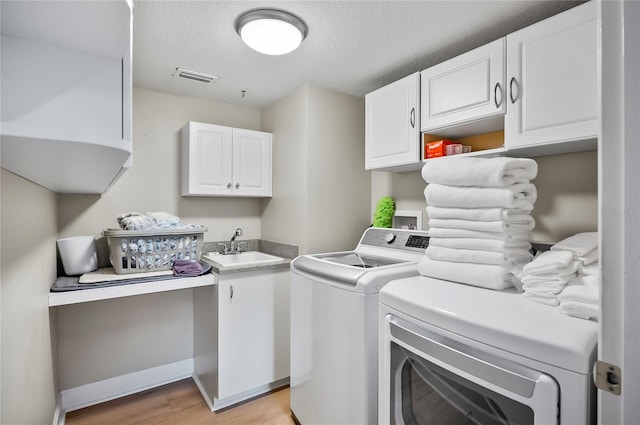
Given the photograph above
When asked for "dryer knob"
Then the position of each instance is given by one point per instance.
(390, 237)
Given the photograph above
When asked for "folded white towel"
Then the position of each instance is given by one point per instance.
(547, 279)
(484, 226)
(591, 269)
(482, 275)
(584, 289)
(580, 310)
(550, 262)
(438, 232)
(580, 244)
(589, 258)
(486, 172)
(508, 256)
(478, 214)
(542, 299)
(480, 244)
(544, 289)
(519, 196)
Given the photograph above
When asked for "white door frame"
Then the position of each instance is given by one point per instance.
(619, 205)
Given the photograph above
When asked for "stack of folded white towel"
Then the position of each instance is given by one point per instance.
(567, 276)
(480, 222)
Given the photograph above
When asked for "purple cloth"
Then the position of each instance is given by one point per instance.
(188, 269)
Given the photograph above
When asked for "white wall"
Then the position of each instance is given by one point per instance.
(27, 270)
(321, 191)
(109, 338)
(285, 214)
(567, 194)
(338, 186)
(153, 182)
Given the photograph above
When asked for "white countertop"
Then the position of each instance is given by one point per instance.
(96, 294)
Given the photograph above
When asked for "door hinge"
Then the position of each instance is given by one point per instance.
(607, 377)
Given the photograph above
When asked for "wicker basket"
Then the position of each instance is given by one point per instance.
(132, 251)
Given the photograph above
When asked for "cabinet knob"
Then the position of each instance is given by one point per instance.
(229, 185)
(230, 292)
(412, 117)
(237, 185)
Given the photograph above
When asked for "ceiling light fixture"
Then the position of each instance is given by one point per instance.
(196, 76)
(271, 31)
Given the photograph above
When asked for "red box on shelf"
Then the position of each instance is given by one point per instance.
(437, 148)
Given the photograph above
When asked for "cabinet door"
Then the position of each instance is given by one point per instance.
(251, 163)
(552, 80)
(392, 135)
(466, 88)
(252, 332)
(206, 160)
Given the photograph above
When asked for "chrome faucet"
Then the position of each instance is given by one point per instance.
(233, 238)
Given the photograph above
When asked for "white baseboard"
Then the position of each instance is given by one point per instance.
(239, 398)
(203, 392)
(58, 414)
(123, 385)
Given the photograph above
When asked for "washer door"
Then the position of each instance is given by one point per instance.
(435, 380)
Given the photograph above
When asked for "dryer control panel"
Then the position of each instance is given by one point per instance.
(409, 240)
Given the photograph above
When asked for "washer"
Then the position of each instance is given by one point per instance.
(334, 325)
(451, 352)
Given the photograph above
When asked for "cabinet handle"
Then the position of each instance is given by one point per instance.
(495, 95)
(237, 185)
(230, 292)
(513, 80)
(412, 117)
(229, 185)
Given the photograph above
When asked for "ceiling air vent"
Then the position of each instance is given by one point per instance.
(196, 76)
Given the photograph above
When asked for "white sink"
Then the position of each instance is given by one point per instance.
(243, 259)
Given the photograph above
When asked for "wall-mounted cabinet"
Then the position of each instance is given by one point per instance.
(392, 130)
(531, 93)
(467, 88)
(225, 161)
(66, 93)
(552, 80)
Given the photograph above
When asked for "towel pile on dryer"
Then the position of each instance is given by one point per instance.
(567, 276)
(480, 223)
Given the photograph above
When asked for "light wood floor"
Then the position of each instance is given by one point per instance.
(181, 403)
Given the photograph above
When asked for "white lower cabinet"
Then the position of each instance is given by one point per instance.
(241, 336)
(225, 161)
(552, 82)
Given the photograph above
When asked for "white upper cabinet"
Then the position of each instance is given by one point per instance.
(467, 88)
(225, 161)
(552, 80)
(392, 131)
(66, 93)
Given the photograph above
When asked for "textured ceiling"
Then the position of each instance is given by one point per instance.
(353, 47)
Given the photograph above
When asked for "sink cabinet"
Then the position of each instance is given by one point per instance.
(225, 161)
(392, 131)
(241, 344)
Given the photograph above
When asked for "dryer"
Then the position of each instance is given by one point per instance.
(452, 353)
